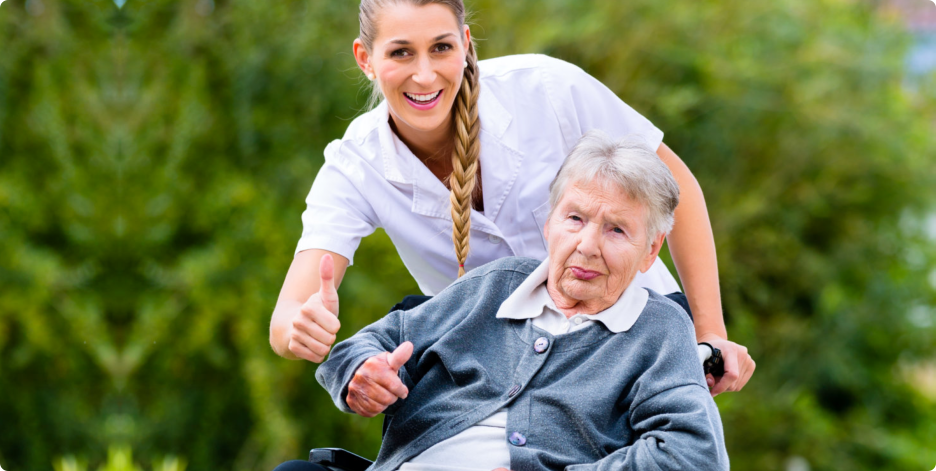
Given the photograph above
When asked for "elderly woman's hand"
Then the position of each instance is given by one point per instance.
(739, 366)
(376, 384)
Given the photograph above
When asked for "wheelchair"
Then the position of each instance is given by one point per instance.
(337, 459)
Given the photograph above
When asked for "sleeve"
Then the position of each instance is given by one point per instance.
(346, 357)
(337, 214)
(582, 103)
(423, 325)
(678, 429)
(674, 419)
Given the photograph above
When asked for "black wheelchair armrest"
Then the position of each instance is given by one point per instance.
(337, 459)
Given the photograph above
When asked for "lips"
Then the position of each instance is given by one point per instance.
(584, 274)
(423, 101)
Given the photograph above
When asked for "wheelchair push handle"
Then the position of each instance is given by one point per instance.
(711, 359)
(337, 459)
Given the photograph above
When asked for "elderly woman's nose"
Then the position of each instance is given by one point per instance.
(590, 240)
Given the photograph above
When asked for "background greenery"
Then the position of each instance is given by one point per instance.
(154, 160)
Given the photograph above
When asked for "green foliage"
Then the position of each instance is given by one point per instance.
(119, 459)
(154, 160)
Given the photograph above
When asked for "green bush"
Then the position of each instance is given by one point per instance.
(154, 160)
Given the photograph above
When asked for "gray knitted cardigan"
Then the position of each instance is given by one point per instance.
(592, 399)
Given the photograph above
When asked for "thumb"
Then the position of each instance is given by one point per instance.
(327, 289)
(400, 356)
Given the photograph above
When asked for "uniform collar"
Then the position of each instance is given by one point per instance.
(531, 297)
(398, 162)
(430, 198)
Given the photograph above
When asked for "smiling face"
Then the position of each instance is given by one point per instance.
(597, 239)
(418, 58)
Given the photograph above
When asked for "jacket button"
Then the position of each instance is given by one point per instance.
(514, 390)
(494, 239)
(541, 344)
(517, 439)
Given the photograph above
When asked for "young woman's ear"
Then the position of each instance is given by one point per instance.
(362, 57)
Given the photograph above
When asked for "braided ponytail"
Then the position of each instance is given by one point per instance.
(465, 158)
(465, 188)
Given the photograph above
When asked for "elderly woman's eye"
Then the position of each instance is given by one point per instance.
(575, 218)
(618, 230)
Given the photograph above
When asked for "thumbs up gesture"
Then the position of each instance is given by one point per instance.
(315, 326)
(376, 384)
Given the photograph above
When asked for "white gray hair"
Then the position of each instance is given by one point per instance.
(632, 165)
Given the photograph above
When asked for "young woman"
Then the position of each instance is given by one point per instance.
(461, 153)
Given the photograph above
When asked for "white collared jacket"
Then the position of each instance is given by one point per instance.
(533, 109)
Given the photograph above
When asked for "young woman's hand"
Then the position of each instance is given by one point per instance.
(376, 384)
(315, 325)
(739, 366)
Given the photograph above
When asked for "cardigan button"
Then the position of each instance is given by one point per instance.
(541, 344)
(513, 391)
(517, 439)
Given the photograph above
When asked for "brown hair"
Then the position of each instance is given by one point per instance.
(466, 123)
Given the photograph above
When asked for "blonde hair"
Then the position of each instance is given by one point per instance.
(463, 180)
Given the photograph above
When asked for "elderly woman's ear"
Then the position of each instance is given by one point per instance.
(655, 246)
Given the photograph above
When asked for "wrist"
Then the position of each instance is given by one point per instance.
(279, 342)
(280, 326)
(709, 337)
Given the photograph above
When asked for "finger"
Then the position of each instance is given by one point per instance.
(327, 288)
(372, 396)
(746, 374)
(310, 333)
(377, 371)
(392, 383)
(304, 352)
(358, 407)
(316, 347)
(358, 402)
(731, 374)
(315, 310)
(709, 381)
(368, 398)
(400, 356)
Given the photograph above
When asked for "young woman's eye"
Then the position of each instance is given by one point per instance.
(443, 47)
(399, 53)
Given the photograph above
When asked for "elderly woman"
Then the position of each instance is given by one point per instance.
(560, 364)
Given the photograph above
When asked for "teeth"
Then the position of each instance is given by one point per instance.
(422, 98)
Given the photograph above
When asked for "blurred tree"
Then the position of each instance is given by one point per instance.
(154, 160)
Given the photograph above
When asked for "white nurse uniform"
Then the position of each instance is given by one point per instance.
(533, 109)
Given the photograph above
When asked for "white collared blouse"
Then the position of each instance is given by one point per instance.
(533, 109)
(531, 300)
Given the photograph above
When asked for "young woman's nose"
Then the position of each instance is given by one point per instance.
(424, 74)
